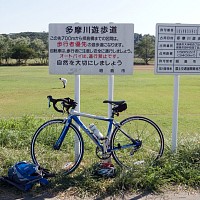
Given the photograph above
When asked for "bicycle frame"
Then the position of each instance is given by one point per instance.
(74, 116)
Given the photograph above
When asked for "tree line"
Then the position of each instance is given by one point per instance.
(32, 48)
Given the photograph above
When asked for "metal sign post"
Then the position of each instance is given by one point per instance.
(78, 100)
(110, 93)
(110, 97)
(175, 113)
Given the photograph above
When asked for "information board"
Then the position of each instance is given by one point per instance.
(177, 49)
(91, 48)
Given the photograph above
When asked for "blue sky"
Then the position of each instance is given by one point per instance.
(35, 15)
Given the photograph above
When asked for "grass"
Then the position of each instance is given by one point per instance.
(23, 107)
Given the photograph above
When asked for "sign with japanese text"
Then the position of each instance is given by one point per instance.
(91, 48)
(177, 49)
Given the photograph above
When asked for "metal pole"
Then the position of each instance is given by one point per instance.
(110, 93)
(77, 92)
(175, 113)
(77, 99)
(110, 97)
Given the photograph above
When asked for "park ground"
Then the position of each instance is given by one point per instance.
(177, 193)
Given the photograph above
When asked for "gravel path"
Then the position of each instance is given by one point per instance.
(168, 195)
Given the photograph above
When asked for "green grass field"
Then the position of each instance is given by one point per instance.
(23, 107)
(24, 91)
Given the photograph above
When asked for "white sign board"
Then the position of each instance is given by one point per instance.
(177, 49)
(91, 48)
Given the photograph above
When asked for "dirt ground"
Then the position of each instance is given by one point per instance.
(169, 194)
(144, 67)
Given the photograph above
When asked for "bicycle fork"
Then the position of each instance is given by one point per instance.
(59, 141)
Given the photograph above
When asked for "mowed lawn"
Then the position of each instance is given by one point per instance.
(24, 91)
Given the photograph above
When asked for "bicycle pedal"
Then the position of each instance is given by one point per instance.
(49, 175)
(46, 173)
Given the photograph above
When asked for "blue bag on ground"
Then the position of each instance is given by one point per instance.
(24, 175)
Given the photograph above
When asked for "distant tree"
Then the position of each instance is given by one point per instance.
(45, 56)
(145, 48)
(32, 35)
(23, 46)
(21, 50)
(5, 48)
(22, 41)
(40, 50)
(22, 53)
(37, 41)
(8, 49)
(137, 38)
(2, 43)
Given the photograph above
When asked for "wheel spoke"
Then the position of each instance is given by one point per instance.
(139, 129)
(64, 160)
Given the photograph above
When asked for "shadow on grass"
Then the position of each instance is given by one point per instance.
(86, 184)
(182, 168)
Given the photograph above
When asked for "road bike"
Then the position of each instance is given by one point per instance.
(58, 144)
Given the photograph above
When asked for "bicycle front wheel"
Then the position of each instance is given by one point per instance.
(137, 140)
(64, 160)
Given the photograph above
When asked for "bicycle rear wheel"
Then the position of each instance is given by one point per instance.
(66, 159)
(145, 132)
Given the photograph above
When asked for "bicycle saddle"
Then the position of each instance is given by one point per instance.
(114, 102)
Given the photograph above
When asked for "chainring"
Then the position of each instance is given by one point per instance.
(101, 155)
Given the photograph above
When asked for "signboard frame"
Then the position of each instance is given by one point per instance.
(97, 49)
(177, 49)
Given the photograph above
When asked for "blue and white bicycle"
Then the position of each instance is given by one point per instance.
(58, 144)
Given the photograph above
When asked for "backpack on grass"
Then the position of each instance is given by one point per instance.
(24, 175)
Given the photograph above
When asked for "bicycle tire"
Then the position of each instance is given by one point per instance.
(142, 129)
(64, 160)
